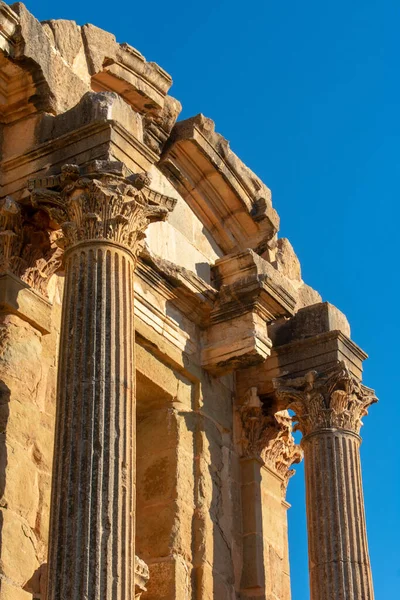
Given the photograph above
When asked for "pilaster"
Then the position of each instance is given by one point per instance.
(268, 452)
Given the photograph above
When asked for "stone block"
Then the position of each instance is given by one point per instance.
(157, 477)
(253, 562)
(239, 342)
(33, 431)
(169, 580)
(18, 540)
(11, 592)
(251, 508)
(67, 39)
(20, 360)
(162, 529)
(301, 356)
(58, 88)
(100, 45)
(21, 489)
(216, 402)
(287, 261)
(17, 298)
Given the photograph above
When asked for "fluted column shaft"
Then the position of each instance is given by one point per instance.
(337, 540)
(328, 407)
(92, 526)
(92, 523)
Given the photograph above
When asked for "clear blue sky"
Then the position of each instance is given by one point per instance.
(308, 93)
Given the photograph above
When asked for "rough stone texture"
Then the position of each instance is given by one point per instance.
(67, 39)
(287, 261)
(60, 88)
(335, 511)
(28, 363)
(228, 336)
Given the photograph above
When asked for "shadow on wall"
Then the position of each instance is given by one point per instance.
(4, 414)
(203, 271)
(217, 518)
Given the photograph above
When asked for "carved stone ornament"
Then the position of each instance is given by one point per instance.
(28, 245)
(142, 576)
(268, 438)
(102, 205)
(331, 399)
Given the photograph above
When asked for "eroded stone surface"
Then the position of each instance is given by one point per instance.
(228, 336)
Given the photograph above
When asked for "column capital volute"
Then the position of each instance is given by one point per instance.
(101, 203)
(323, 400)
(268, 437)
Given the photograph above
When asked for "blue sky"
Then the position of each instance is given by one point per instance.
(308, 95)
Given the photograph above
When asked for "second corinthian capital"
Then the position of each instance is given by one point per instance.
(333, 398)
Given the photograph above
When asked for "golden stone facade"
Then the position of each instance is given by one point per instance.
(155, 334)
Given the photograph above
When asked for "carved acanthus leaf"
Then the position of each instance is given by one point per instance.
(268, 438)
(330, 399)
(28, 247)
(103, 205)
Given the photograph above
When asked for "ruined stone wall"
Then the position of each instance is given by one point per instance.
(222, 318)
(28, 372)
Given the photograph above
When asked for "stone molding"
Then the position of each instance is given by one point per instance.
(333, 398)
(251, 295)
(229, 198)
(268, 438)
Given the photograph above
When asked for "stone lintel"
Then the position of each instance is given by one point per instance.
(103, 138)
(16, 297)
(231, 200)
(295, 359)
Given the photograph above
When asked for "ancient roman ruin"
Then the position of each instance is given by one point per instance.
(157, 342)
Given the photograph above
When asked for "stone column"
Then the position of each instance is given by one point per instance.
(328, 407)
(268, 451)
(92, 523)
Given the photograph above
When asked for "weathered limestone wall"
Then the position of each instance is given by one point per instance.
(183, 239)
(28, 371)
(276, 551)
(188, 502)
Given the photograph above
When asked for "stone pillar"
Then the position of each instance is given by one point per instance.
(328, 407)
(268, 451)
(92, 523)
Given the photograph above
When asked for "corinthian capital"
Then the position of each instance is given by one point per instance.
(330, 399)
(102, 205)
(28, 245)
(268, 438)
